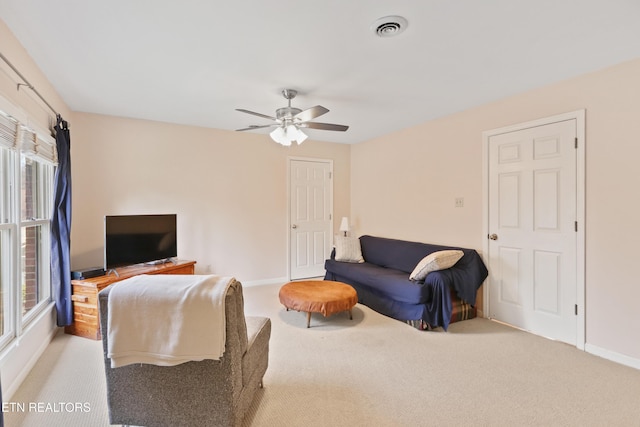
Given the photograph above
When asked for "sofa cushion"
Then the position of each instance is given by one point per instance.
(348, 249)
(391, 283)
(397, 254)
(435, 261)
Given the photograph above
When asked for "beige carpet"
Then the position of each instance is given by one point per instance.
(374, 371)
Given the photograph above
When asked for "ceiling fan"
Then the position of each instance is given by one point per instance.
(289, 120)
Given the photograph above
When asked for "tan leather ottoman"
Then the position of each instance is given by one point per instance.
(318, 296)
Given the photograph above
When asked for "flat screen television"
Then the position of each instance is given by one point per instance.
(136, 239)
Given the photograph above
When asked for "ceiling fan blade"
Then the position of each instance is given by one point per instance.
(311, 113)
(252, 127)
(255, 114)
(324, 126)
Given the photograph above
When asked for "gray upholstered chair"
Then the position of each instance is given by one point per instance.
(206, 393)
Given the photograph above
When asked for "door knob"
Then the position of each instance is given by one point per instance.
(493, 236)
(294, 226)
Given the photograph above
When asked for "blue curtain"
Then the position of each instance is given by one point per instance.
(61, 227)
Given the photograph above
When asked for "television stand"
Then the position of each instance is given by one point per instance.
(84, 293)
(161, 261)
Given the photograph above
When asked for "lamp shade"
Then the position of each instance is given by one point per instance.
(301, 137)
(344, 225)
(292, 132)
(278, 135)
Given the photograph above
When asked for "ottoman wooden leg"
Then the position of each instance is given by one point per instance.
(350, 315)
(308, 319)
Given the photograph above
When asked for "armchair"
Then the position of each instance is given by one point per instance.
(204, 393)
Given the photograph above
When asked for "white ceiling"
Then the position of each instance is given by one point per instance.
(194, 62)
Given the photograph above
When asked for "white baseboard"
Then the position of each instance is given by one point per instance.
(263, 282)
(613, 356)
(274, 281)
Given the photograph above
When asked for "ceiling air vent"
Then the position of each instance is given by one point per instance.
(389, 26)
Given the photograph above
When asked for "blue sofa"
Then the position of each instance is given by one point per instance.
(382, 282)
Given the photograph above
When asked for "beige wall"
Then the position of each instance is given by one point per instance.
(229, 190)
(404, 185)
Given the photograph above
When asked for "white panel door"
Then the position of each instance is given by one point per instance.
(310, 217)
(532, 218)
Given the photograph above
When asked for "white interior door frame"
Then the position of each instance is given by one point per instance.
(291, 159)
(580, 117)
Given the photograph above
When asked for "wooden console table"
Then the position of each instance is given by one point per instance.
(85, 294)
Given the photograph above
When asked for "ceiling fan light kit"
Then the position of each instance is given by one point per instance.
(285, 136)
(289, 120)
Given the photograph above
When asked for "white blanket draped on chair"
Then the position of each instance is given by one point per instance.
(167, 320)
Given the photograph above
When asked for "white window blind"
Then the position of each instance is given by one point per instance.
(32, 144)
(8, 131)
(37, 146)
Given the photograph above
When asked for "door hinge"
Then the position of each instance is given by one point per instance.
(576, 140)
(330, 216)
(575, 226)
(330, 175)
(575, 309)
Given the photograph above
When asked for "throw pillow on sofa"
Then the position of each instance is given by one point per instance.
(435, 261)
(348, 249)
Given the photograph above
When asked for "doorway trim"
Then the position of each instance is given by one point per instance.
(290, 159)
(580, 117)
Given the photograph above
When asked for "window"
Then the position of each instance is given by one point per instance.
(5, 280)
(36, 211)
(27, 166)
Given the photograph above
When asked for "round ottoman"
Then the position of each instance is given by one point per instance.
(318, 296)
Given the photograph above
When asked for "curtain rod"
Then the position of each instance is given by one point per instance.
(27, 84)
